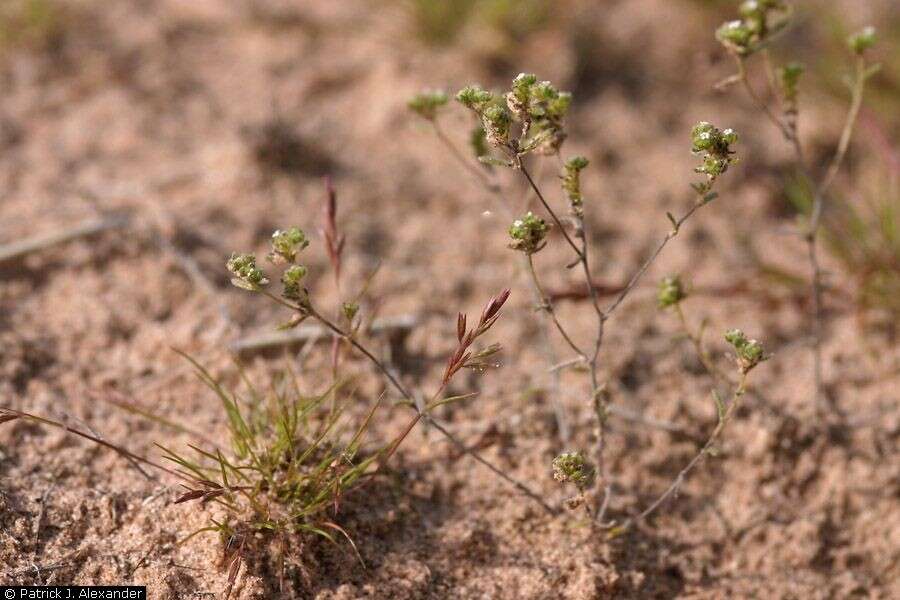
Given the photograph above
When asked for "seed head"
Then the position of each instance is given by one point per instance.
(286, 245)
(671, 292)
(519, 98)
(246, 274)
(496, 121)
(749, 352)
(528, 233)
(571, 467)
(291, 281)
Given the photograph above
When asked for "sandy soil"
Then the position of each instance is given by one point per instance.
(210, 123)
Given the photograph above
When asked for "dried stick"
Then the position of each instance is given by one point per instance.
(400, 325)
(88, 227)
(10, 414)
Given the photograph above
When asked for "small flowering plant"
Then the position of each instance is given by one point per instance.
(529, 120)
(751, 34)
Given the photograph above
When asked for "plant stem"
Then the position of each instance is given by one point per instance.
(711, 368)
(598, 395)
(599, 399)
(409, 397)
(646, 265)
(473, 170)
(707, 447)
(788, 128)
(815, 224)
(549, 210)
(562, 422)
(546, 307)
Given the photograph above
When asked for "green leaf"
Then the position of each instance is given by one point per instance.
(720, 405)
(872, 70)
(436, 403)
(293, 322)
(243, 284)
(496, 162)
(672, 221)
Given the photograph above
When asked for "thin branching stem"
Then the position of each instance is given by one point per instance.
(547, 207)
(546, 307)
(788, 128)
(461, 159)
(646, 265)
(704, 451)
(540, 298)
(705, 359)
(407, 395)
(598, 396)
(815, 224)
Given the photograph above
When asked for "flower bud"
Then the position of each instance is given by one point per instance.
(571, 183)
(350, 309)
(715, 146)
(291, 281)
(472, 96)
(735, 35)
